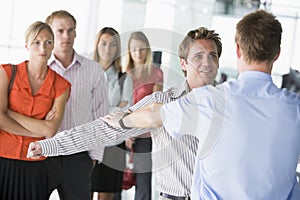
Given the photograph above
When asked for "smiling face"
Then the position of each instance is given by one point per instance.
(41, 47)
(202, 63)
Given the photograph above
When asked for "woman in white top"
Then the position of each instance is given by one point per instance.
(108, 175)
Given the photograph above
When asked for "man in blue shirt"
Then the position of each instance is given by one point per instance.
(248, 129)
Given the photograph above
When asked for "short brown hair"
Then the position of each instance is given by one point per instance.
(259, 36)
(197, 34)
(60, 14)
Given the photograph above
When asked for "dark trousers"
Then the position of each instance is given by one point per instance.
(117, 196)
(142, 167)
(70, 175)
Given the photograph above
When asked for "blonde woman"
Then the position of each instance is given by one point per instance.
(108, 176)
(147, 78)
(35, 91)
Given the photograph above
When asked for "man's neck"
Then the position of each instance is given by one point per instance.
(261, 66)
(65, 58)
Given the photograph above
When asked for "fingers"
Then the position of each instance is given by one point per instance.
(129, 142)
(113, 119)
(106, 117)
(34, 150)
(109, 120)
(51, 114)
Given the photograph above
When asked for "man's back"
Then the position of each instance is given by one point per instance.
(258, 141)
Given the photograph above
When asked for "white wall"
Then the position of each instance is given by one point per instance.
(166, 22)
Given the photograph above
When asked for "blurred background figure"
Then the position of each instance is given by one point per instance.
(147, 78)
(108, 176)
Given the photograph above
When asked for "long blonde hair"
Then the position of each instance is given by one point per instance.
(129, 65)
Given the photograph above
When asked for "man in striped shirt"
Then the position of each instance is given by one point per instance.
(70, 175)
(173, 160)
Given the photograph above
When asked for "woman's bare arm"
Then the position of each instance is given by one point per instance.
(46, 128)
(6, 123)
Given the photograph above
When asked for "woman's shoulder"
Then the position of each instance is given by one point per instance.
(156, 69)
(58, 79)
(8, 67)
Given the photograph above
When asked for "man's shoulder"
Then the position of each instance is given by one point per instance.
(89, 62)
(175, 92)
(90, 65)
(170, 94)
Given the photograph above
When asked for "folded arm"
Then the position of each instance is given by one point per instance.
(43, 128)
(7, 123)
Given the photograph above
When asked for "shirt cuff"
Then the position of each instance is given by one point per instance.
(49, 147)
(97, 154)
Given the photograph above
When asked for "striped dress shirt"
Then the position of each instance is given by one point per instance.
(173, 160)
(88, 98)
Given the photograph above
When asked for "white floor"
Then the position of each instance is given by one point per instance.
(129, 194)
(126, 195)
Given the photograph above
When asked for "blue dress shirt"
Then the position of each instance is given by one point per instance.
(249, 138)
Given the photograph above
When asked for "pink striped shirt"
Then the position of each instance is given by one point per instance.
(88, 100)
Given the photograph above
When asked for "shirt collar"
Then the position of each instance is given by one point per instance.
(181, 90)
(23, 75)
(255, 75)
(111, 70)
(76, 59)
(46, 85)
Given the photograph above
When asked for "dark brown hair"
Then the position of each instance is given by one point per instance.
(259, 36)
(197, 34)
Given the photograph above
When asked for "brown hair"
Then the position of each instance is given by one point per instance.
(60, 14)
(116, 37)
(259, 36)
(197, 34)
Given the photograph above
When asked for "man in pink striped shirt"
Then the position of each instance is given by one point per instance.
(70, 175)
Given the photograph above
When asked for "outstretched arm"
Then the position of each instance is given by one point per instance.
(147, 117)
(82, 138)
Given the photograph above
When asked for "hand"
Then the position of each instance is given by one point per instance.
(50, 114)
(34, 150)
(122, 104)
(94, 162)
(113, 119)
(129, 142)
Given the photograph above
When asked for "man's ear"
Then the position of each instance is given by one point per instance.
(183, 64)
(238, 50)
(277, 55)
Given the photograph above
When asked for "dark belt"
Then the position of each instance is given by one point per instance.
(174, 197)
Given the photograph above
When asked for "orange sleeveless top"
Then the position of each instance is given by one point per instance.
(22, 101)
